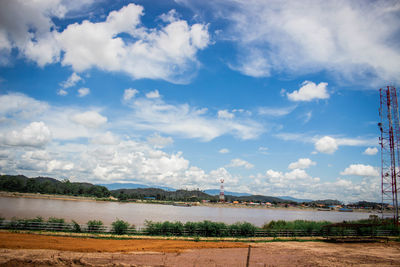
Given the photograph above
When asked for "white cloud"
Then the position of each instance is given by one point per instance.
(360, 170)
(352, 41)
(27, 25)
(225, 114)
(158, 141)
(326, 145)
(107, 138)
(20, 106)
(83, 91)
(185, 121)
(90, 119)
(223, 151)
(240, 163)
(299, 184)
(71, 81)
(370, 151)
(307, 116)
(153, 94)
(62, 92)
(59, 165)
(309, 91)
(165, 52)
(276, 112)
(263, 150)
(36, 134)
(130, 93)
(302, 163)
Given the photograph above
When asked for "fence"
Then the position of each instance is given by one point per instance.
(85, 228)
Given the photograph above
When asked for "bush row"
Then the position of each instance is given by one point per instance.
(118, 227)
(204, 228)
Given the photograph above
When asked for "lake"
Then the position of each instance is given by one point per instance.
(135, 213)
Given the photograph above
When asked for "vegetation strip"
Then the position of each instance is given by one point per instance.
(280, 228)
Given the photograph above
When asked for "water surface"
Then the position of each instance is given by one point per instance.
(135, 213)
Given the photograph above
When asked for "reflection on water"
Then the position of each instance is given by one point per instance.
(107, 212)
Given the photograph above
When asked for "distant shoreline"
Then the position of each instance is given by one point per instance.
(213, 205)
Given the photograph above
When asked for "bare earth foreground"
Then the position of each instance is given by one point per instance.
(18, 249)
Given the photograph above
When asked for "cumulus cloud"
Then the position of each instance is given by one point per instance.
(225, 114)
(20, 106)
(130, 93)
(360, 170)
(90, 119)
(352, 41)
(166, 52)
(326, 144)
(71, 81)
(240, 163)
(153, 94)
(263, 150)
(62, 92)
(300, 184)
(370, 151)
(186, 121)
(36, 134)
(223, 151)
(59, 165)
(158, 141)
(83, 91)
(27, 26)
(107, 138)
(302, 163)
(309, 91)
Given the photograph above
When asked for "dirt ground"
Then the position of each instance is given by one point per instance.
(17, 249)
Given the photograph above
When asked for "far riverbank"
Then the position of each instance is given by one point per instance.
(206, 204)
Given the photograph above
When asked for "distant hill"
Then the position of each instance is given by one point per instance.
(115, 186)
(299, 200)
(255, 198)
(214, 192)
(160, 194)
(124, 191)
(47, 185)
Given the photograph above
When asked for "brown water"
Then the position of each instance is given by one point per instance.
(134, 213)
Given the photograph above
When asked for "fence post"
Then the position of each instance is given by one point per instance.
(248, 257)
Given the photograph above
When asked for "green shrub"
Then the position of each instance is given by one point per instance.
(56, 220)
(94, 226)
(76, 227)
(120, 227)
(190, 228)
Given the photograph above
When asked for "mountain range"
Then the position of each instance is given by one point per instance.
(212, 192)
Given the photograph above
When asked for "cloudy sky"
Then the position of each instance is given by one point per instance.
(276, 97)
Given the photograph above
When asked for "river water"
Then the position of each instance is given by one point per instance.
(135, 213)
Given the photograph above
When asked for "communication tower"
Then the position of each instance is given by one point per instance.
(221, 192)
(390, 148)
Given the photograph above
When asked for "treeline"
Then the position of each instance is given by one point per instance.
(160, 194)
(257, 199)
(46, 185)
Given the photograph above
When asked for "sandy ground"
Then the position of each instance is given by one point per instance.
(18, 249)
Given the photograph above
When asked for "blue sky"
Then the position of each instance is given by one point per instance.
(277, 98)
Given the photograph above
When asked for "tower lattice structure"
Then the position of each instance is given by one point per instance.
(390, 148)
(221, 192)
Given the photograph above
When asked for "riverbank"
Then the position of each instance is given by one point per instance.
(207, 204)
(21, 249)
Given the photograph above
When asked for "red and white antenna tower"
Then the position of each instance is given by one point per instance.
(221, 192)
(390, 148)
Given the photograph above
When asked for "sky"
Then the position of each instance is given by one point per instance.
(277, 98)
